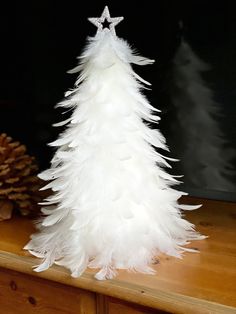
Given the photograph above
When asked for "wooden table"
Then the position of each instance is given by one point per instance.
(200, 283)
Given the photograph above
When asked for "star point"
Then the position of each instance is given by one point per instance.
(98, 21)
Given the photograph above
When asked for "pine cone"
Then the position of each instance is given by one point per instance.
(19, 185)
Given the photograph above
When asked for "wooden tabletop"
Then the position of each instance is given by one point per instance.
(199, 283)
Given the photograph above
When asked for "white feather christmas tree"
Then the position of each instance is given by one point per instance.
(113, 206)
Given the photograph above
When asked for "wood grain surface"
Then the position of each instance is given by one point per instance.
(202, 282)
(25, 294)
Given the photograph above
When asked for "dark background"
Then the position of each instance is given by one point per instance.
(40, 42)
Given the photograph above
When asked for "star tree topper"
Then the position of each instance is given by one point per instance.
(113, 21)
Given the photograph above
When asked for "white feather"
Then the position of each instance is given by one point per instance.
(113, 205)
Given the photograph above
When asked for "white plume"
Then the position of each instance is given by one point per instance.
(113, 206)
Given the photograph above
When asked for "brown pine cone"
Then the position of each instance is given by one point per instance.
(19, 185)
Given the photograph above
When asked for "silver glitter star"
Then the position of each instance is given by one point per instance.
(97, 21)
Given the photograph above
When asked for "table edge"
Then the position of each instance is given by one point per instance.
(138, 294)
